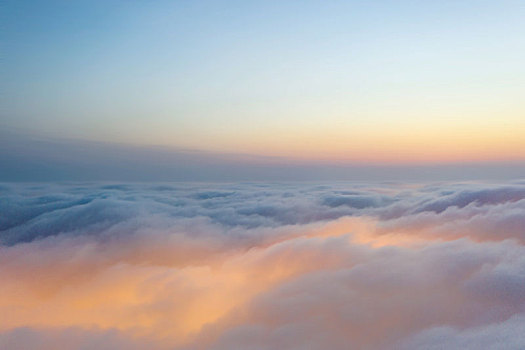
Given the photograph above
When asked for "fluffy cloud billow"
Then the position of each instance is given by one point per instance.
(262, 266)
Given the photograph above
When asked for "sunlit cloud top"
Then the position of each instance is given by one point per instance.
(262, 266)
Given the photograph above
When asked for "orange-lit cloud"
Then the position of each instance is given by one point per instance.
(392, 270)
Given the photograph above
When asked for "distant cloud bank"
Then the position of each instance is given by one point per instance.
(262, 266)
(33, 157)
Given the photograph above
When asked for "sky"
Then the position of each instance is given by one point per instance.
(352, 82)
(261, 175)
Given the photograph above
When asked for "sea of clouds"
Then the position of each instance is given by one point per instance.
(262, 266)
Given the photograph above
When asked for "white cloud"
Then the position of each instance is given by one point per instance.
(261, 266)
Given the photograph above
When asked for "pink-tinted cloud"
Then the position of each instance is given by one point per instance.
(259, 266)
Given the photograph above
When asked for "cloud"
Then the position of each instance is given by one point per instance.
(73, 338)
(488, 222)
(357, 201)
(478, 197)
(387, 296)
(34, 157)
(261, 266)
(506, 335)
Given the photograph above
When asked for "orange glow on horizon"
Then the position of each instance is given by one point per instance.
(389, 144)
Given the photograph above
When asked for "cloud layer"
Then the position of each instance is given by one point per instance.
(262, 266)
(34, 157)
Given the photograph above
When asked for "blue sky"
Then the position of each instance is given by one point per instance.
(338, 81)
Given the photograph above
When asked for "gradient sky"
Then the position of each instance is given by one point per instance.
(386, 82)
